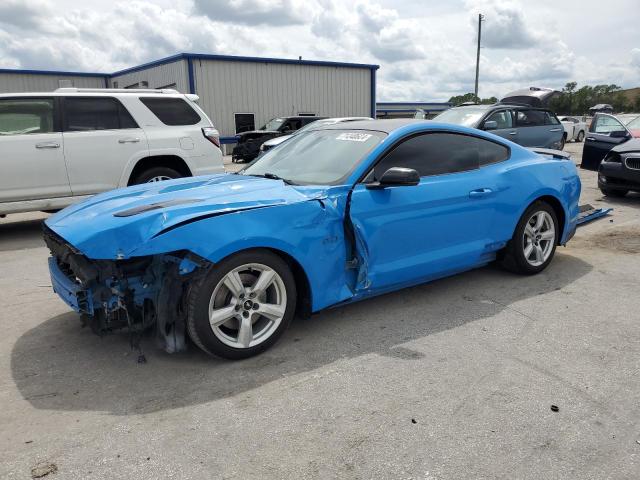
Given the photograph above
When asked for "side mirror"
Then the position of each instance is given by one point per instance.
(619, 134)
(396, 177)
(490, 125)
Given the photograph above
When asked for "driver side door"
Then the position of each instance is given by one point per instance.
(605, 132)
(410, 234)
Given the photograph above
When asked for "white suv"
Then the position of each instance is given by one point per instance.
(57, 148)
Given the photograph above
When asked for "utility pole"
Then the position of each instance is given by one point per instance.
(480, 17)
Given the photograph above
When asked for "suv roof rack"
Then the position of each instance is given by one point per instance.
(116, 90)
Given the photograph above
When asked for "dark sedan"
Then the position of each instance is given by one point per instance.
(606, 132)
(619, 172)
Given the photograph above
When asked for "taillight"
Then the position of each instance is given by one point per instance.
(212, 135)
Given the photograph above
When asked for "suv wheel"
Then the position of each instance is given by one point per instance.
(156, 174)
(563, 141)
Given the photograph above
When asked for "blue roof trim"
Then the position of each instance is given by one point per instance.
(234, 58)
(400, 104)
(18, 71)
(194, 56)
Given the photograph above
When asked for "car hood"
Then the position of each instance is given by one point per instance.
(113, 224)
(278, 140)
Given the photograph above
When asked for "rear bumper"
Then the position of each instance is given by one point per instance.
(616, 176)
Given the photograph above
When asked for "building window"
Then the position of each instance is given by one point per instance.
(245, 122)
(142, 84)
(306, 114)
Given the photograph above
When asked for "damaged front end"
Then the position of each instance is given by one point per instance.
(137, 294)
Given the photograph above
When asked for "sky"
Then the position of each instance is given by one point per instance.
(426, 49)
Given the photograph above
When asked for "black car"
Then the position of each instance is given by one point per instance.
(606, 132)
(619, 171)
(248, 146)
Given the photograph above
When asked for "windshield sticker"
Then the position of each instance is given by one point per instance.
(354, 137)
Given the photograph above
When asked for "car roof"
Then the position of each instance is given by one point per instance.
(95, 93)
(386, 126)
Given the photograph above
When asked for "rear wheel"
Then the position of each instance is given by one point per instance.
(156, 174)
(609, 192)
(562, 142)
(580, 136)
(243, 305)
(534, 241)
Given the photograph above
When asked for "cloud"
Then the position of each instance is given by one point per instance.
(504, 26)
(252, 12)
(426, 50)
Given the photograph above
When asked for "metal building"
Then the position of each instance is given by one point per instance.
(238, 93)
(409, 109)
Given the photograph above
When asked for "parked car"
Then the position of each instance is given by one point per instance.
(274, 142)
(619, 172)
(332, 216)
(527, 126)
(605, 132)
(574, 128)
(248, 146)
(63, 146)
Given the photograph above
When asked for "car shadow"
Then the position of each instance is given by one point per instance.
(19, 235)
(59, 366)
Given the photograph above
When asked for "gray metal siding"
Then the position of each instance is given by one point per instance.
(29, 82)
(158, 76)
(270, 90)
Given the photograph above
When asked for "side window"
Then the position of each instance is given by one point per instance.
(171, 111)
(442, 153)
(530, 118)
(291, 125)
(605, 124)
(21, 116)
(502, 118)
(550, 119)
(83, 114)
(244, 122)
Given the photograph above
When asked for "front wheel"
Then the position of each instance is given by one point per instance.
(242, 305)
(534, 241)
(580, 136)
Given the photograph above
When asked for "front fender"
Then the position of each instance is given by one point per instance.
(309, 232)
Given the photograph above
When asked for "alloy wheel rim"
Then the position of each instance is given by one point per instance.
(158, 178)
(538, 238)
(247, 305)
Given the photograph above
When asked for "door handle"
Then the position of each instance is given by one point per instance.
(48, 145)
(129, 140)
(555, 130)
(590, 139)
(513, 133)
(480, 192)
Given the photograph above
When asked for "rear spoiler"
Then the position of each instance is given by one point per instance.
(556, 154)
(192, 96)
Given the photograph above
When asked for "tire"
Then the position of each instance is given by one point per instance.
(269, 310)
(580, 136)
(609, 192)
(515, 257)
(156, 174)
(564, 141)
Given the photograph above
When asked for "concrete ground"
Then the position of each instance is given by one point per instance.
(449, 380)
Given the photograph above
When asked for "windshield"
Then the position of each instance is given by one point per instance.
(319, 157)
(467, 116)
(273, 124)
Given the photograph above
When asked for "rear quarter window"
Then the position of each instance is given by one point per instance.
(171, 111)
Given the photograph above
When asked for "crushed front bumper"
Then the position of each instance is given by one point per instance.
(70, 291)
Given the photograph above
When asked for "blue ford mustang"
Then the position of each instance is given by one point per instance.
(331, 216)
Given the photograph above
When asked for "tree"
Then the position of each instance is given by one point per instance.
(470, 97)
